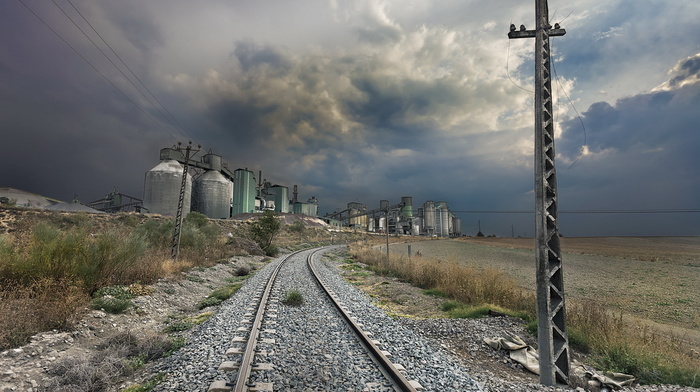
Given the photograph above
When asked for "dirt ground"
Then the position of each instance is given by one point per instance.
(653, 280)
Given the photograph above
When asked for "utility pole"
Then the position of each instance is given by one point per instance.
(175, 246)
(551, 315)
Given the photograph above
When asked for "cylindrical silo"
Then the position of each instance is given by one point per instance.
(281, 196)
(429, 218)
(162, 189)
(213, 193)
(407, 209)
(457, 226)
(243, 191)
(444, 218)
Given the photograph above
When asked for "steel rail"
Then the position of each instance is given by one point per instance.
(387, 367)
(246, 362)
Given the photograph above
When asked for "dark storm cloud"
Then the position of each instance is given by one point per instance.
(641, 153)
(356, 100)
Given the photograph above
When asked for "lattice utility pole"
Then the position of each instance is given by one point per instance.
(175, 246)
(551, 314)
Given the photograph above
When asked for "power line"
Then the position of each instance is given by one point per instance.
(174, 121)
(96, 69)
(640, 211)
(580, 119)
(110, 60)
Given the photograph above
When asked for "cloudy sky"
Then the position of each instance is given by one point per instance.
(363, 100)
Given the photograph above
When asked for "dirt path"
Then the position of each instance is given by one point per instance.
(652, 279)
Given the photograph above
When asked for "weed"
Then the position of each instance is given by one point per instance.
(148, 386)
(209, 301)
(201, 318)
(179, 326)
(293, 298)
(111, 304)
(219, 295)
(435, 293)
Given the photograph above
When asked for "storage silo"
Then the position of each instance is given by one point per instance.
(281, 196)
(457, 226)
(407, 209)
(243, 191)
(429, 218)
(442, 217)
(162, 185)
(213, 193)
(383, 204)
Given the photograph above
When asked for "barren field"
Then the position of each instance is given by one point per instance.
(653, 279)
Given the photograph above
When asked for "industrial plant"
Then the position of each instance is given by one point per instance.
(212, 189)
(220, 193)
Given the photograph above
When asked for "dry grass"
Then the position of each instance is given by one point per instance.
(613, 343)
(461, 283)
(48, 271)
(40, 306)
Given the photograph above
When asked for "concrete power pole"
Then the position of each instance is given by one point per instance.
(175, 246)
(551, 315)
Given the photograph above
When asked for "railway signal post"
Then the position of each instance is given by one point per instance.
(551, 315)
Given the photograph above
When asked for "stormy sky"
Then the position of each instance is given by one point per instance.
(362, 101)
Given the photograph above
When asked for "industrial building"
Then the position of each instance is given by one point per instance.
(433, 219)
(214, 190)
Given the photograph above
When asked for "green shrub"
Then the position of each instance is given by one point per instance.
(219, 295)
(111, 305)
(264, 230)
(293, 298)
(435, 293)
(121, 292)
(209, 301)
(297, 227)
(179, 326)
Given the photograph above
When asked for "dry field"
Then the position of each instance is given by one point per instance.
(653, 280)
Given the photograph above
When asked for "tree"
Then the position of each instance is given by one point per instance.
(263, 231)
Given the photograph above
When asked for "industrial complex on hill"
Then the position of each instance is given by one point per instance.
(209, 187)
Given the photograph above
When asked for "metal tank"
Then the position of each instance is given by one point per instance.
(313, 206)
(457, 226)
(243, 191)
(281, 196)
(213, 193)
(442, 219)
(383, 204)
(429, 218)
(162, 185)
(450, 222)
(407, 209)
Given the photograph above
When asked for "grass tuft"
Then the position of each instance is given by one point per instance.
(293, 298)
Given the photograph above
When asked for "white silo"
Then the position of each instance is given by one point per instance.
(212, 191)
(429, 218)
(162, 189)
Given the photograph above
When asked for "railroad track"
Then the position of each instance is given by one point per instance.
(252, 356)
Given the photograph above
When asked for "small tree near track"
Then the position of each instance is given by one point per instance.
(263, 231)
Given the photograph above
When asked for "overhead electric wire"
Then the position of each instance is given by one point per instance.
(176, 122)
(640, 211)
(508, 71)
(97, 70)
(112, 62)
(563, 90)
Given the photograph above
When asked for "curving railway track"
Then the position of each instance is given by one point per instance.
(253, 361)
